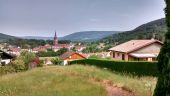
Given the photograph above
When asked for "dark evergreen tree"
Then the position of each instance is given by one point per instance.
(163, 84)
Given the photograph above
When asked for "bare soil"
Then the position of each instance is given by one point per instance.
(114, 90)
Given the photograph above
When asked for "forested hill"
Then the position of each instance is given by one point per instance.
(4, 37)
(155, 29)
(88, 35)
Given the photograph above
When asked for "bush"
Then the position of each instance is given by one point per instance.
(18, 65)
(38, 62)
(27, 57)
(6, 70)
(56, 61)
(134, 68)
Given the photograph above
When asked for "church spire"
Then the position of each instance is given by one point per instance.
(55, 39)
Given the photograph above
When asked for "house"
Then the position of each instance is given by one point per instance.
(39, 49)
(137, 50)
(71, 56)
(14, 51)
(5, 58)
(79, 48)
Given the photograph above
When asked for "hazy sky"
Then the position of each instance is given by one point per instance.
(43, 17)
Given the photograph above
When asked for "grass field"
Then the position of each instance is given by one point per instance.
(75, 80)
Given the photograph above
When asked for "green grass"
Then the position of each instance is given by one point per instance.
(74, 80)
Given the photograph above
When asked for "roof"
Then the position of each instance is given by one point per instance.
(5, 55)
(56, 46)
(133, 45)
(14, 49)
(40, 49)
(68, 54)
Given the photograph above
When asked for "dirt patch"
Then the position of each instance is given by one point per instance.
(114, 90)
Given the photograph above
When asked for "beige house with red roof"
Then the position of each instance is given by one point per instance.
(137, 50)
(71, 56)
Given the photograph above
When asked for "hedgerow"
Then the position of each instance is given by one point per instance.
(129, 67)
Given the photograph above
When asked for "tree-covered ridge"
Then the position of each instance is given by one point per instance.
(4, 37)
(155, 29)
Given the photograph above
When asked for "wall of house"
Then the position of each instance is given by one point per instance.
(6, 61)
(119, 55)
(153, 48)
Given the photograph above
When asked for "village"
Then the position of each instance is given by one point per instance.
(84, 47)
(137, 50)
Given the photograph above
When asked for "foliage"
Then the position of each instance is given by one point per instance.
(47, 54)
(32, 43)
(134, 68)
(18, 65)
(56, 61)
(91, 49)
(145, 31)
(6, 69)
(51, 53)
(163, 84)
(62, 51)
(27, 57)
(107, 47)
(38, 62)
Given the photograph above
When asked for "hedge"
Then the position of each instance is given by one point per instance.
(130, 67)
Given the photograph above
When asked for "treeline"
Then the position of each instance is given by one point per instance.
(155, 29)
(51, 53)
(31, 43)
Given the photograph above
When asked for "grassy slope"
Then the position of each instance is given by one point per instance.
(75, 80)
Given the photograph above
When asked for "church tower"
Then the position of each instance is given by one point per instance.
(55, 39)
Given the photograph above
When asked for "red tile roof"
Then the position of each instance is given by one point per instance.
(14, 49)
(68, 54)
(40, 49)
(133, 45)
(60, 46)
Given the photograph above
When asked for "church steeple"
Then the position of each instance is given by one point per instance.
(55, 39)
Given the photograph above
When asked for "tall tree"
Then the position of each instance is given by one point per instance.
(163, 84)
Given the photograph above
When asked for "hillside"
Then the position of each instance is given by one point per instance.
(88, 35)
(4, 37)
(75, 80)
(155, 29)
(78, 36)
(37, 37)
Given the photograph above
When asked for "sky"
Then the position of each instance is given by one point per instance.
(43, 17)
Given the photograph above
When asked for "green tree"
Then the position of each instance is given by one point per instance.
(163, 84)
(18, 65)
(62, 51)
(27, 57)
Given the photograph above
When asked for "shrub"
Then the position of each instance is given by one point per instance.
(56, 61)
(18, 65)
(134, 68)
(6, 69)
(38, 62)
(27, 57)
